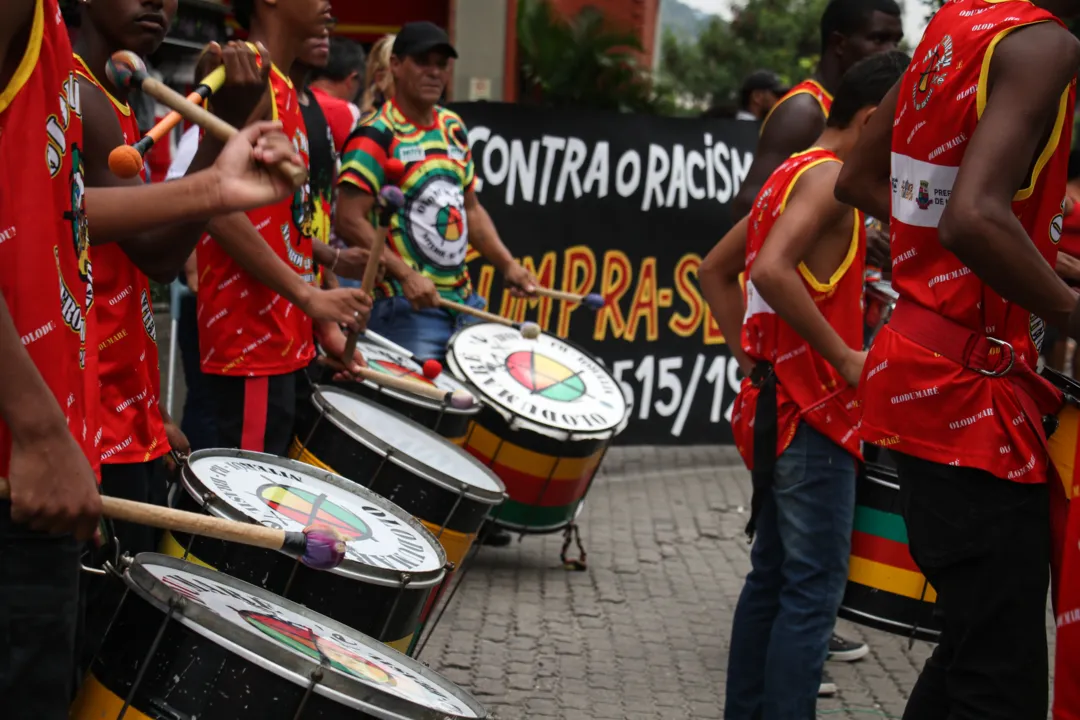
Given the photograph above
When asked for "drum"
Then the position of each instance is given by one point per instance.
(383, 356)
(188, 642)
(436, 481)
(392, 565)
(885, 589)
(880, 300)
(550, 413)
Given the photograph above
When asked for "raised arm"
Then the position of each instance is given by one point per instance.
(792, 127)
(978, 225)
(864, 181)
(719, 278)
(808, 225)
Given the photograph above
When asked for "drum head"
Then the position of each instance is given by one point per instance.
(546, 384)
(409, 444)
(393, 363)
(290, 641)
(384, 540)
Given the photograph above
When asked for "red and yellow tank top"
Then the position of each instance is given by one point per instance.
(45, 272)
(807, 87)
(245, 328)
(132, 428)
(915, 401)
(808, 388)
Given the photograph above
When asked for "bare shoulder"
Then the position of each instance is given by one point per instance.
(795, 122)
(1041, 51)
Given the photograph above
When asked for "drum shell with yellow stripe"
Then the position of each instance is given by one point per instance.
(450, 507)
(885, 588)
(383, 603)
(207, 668)
(551, 410)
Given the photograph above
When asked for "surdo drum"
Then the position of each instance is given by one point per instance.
(885, 588)
(550, 413)
(449, 422)
(879, 299)
(189, 642)
(439, 483)
(392, 566)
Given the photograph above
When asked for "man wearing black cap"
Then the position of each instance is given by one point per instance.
(430, 235)
(760, 91)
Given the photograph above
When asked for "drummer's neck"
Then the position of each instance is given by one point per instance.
(837, 140)
(280, 41)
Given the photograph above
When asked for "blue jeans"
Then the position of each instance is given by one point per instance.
(425, 333)
(799, 565)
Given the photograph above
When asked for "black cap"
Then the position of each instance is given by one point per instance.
(763, 80)
(417, 38)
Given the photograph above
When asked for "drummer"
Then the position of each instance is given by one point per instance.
(429, 237)
(48, 349)
(794, 420)
(257, 301)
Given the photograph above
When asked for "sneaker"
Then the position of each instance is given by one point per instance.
(827, 687)
(841, 650)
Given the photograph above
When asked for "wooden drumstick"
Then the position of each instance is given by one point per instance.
(320, 547)
(391, 199)
(529, 330)
(126, 69)
(431, 367)
(460, 398)
(126, 161)
(593, 301)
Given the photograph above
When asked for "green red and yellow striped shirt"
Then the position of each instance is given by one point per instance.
(430, 233)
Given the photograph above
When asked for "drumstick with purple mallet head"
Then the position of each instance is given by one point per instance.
(318, 546)
(390, 200)
(127, 70)
(593, 301)
(529, 330)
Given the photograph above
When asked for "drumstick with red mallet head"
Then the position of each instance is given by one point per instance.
(126, 161)
(593, 301)
(127, 70)
(431, 367)
(318, 546)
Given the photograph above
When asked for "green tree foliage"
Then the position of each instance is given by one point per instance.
(780, 35)
(581, 61)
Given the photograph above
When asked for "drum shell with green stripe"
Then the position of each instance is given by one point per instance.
(451, 508)
(551, 410)
(546, 478)
(885, 588)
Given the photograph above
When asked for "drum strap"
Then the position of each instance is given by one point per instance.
(1040, 399)
(765, 439)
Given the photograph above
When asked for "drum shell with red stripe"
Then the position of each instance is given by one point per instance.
(885, 588)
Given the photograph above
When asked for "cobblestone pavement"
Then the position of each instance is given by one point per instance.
(644, 632)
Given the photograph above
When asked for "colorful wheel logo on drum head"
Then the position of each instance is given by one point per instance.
(307, 508)
(544, 376)
(318, 648)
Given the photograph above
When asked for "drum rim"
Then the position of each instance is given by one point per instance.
(416, 400)
(352, 569)
(288, 665)
(407, 462)
(516, 421)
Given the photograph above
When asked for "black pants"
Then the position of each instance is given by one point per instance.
(257, 413)
(984, 545)
(39, 601)
(199, 421)
(100, 595)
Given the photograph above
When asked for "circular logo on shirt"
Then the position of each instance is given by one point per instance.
(1057, 225)
(147, 309)
(1037, 330)
(436, 224)
(543, 380)
(932, 71)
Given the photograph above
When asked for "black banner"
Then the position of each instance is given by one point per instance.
(626, 206)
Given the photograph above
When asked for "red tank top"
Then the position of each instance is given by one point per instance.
(45, 273)
(807, 87)
(915, 401)
(132, 427)
(808, 388)
(245, 328)
(341, 116)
